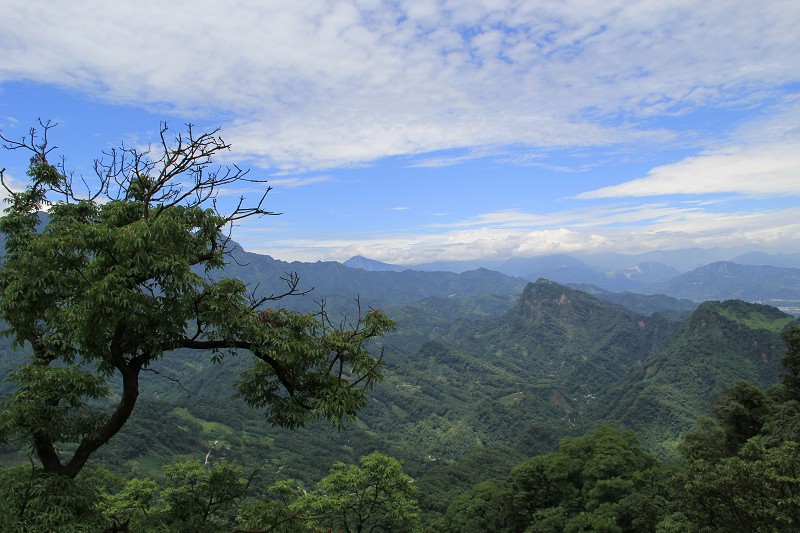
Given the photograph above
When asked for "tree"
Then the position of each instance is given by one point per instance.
(122, 274)
(756, 490)
(478, 509)
(590, 483)
(198, 498)
(791, 362)
(373, 496)
(742, 412)
(31, 500)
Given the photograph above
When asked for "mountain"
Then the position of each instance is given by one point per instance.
(571, 341)
(682, 260)
(491, 367)
(568, 270)
(763, 258)
(725, 280)
(645, 304)
(480, 360)
(371, 265)
(544, 266)
(718, 344)
(340, 285)
(561, 361)
(648, 273)
(639, 276)
(457, 266)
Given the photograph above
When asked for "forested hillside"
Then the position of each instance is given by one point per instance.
(484, 373)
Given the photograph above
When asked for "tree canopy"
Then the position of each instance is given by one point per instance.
(122, 273)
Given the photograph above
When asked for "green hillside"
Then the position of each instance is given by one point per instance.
(718, 344)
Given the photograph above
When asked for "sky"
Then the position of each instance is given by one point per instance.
(418, 131)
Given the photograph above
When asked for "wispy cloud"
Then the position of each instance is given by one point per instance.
(450, 160)
(298, 182)
(546, 87)
(354, 81)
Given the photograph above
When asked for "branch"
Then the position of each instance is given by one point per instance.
(280, 522)
(171, 378)
(280, 372)
(38, 148)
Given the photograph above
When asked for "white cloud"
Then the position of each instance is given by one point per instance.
(12, 183)
(501, 235)
(761, 170)
(342, 83)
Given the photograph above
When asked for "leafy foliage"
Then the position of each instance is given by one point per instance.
(599, 482)
(373, 496)
(199, 498)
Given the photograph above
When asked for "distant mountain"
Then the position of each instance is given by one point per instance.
(762, 258)
(372, 265)
(337, 283)
(568, 270)
(646, 304)
(725, 280)
(458, 266)
(548, 266)
(560, 268)
(639, 276)
(682, 260)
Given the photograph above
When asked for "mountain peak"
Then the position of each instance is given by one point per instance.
(751, 315)
(364, 263)
(547, 297)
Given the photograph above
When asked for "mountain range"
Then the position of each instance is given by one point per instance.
(755, 276)
(515, 372)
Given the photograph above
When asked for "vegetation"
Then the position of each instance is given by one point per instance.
(738, 471)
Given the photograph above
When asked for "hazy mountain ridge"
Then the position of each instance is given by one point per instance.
(338, 283)
(646, 304)
(727, 280)
(371, 265)
(755, 281)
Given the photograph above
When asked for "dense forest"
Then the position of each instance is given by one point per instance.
(160, 378)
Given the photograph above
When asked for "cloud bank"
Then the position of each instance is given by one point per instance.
(341, 83)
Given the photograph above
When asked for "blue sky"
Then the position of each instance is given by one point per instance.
(419, 131)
